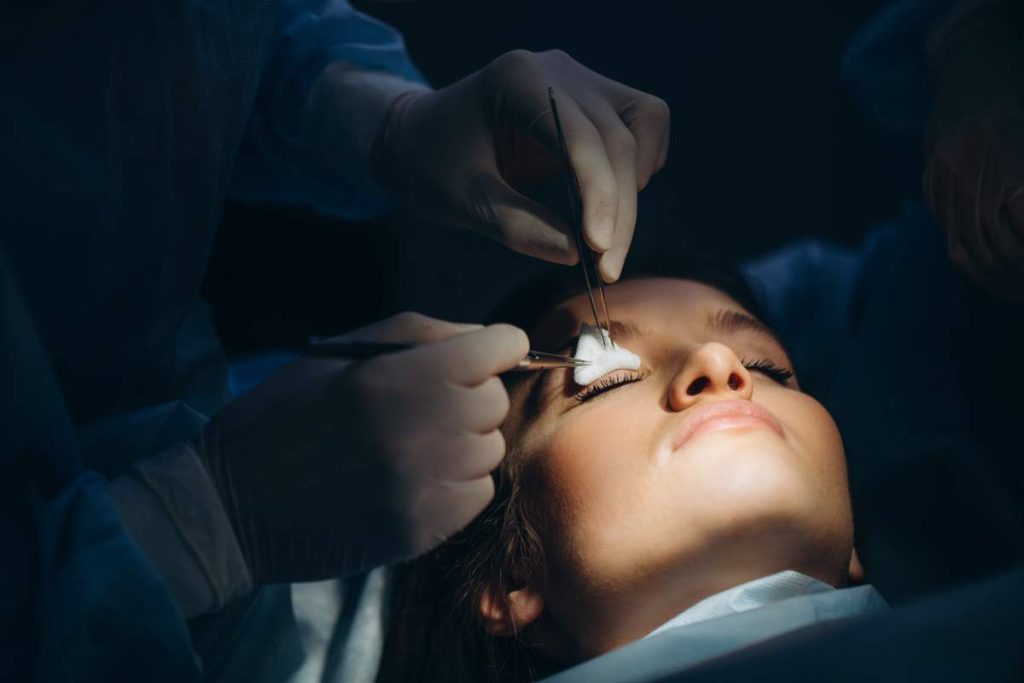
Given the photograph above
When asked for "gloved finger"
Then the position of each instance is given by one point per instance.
(463, 456)
(663, 151)
(478, 409)
(409, 326)
(445, 509)
(622, 152)
(648, 118)
(470, 359)
(499, 211)
(589, 160)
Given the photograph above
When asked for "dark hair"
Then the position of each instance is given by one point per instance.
(435, 634)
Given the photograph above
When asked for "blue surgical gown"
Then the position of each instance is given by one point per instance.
(919, 368)
(124, 126)
(921, 372)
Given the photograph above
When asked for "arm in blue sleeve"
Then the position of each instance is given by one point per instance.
(294, 152)
(80, 599)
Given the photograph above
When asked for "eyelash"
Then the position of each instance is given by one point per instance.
(770, 370)
(606, 384)
(765, 367)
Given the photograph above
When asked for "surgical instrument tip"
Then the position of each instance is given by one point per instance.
(352, 349)
(538, 360)
(590, 275)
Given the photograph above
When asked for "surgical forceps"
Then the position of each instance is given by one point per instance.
(590, 275)
(534, 360)
(361, 350)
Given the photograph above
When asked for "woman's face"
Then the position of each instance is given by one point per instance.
(655, 488)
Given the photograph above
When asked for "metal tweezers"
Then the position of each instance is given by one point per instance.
(534, 360)
(362, 350)
(590, 275)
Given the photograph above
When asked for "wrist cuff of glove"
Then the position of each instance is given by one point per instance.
(384, 163)
(346, 107)
(170, 507)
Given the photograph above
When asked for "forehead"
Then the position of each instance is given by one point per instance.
(652, 303)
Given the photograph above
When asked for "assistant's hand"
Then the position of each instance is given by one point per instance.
(455, 155)
(331, 467)
(974, 177)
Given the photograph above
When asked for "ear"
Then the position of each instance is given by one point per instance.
(507, 615)
(856, 569)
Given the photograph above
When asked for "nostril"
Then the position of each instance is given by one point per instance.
(698, 385)
(734, 381)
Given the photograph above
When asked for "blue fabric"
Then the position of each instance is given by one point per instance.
(121, 130)
(923, 387)
(916, 366)
(80, 600)
(918, 369)
(675, 650)
(970, 634)
(99, 598)
(747, 596)
(246, 373)
(312, 34)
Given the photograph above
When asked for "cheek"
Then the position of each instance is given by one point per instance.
(594, 473)
(591, 455)
(816, 438)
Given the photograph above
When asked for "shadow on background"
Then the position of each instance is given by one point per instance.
(767, 145)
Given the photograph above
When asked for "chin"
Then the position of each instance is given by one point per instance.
(765, 492)
(756, 469)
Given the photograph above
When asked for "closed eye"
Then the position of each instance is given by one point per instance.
(605, 385)
(769, 369)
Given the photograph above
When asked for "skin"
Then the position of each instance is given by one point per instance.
(634, 531)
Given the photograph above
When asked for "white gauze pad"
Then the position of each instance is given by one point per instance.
(602, 360)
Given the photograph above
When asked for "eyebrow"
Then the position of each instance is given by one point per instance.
(619, 329)
(728, 321)
(725, 322)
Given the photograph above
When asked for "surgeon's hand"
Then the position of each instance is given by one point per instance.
(457, 155)
(974, 178)
(332, 467)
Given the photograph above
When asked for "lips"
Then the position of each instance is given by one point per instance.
(723, 415)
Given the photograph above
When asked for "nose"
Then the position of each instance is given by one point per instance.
(713, 370)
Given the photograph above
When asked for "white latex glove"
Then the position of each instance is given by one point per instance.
(332, 467)
(456, 155)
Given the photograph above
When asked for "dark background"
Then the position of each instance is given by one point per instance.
(768, 145)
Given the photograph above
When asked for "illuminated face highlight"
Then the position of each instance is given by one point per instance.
(657, 486)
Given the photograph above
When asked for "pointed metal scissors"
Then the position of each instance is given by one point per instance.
(595, 286)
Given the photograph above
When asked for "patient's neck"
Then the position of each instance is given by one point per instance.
(579, 625)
